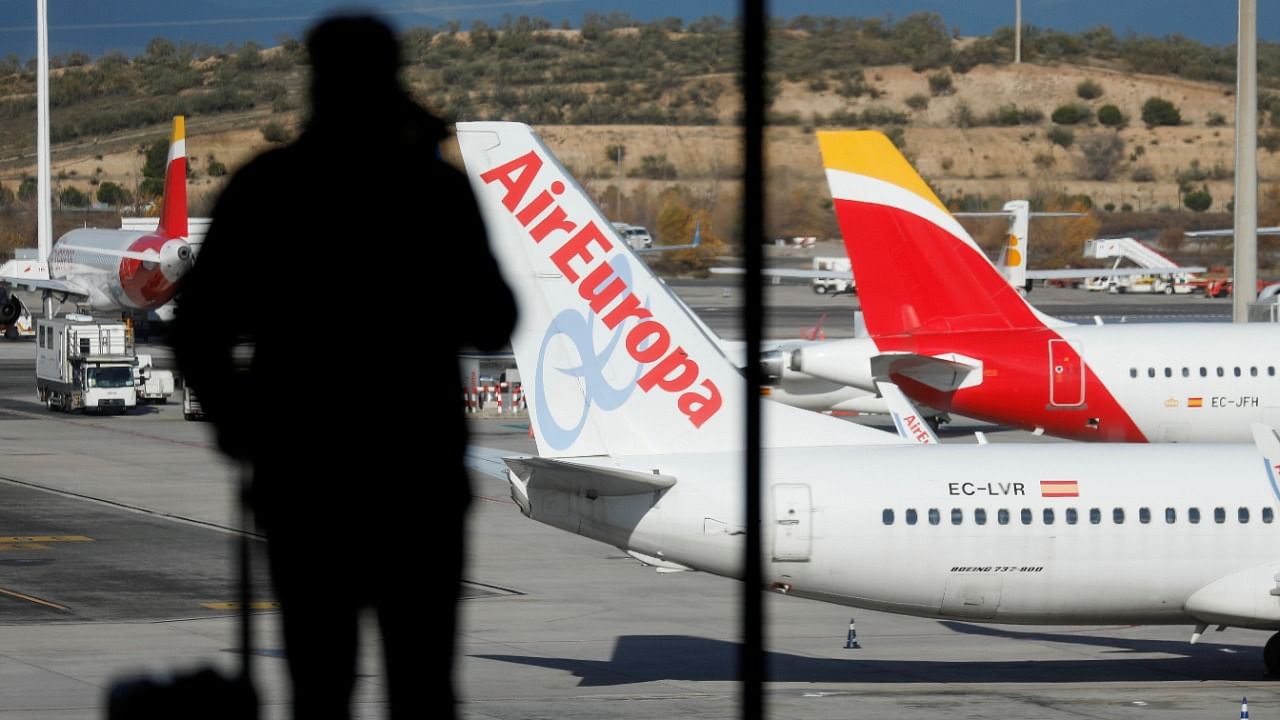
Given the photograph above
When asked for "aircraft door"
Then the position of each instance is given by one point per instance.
(792, 523)
(1066, 374)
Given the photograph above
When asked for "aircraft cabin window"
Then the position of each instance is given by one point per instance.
(1236, 371)
(1186, 372)
(1095, 516)
(1117, 516)
(1242, 515)
(1072, 516)
(1170, 515)
(887, 516)
(1151, 372)
(1193, 515)
(1002, 516)
(1253, 372)
(1219, 515)
(1204, 371)
(1048, 516)
(957, 516)
(934, 517)
(911, 516)
(1268, 515)
(1221, 373)
(1271, 371)
(1144, 515)
(1026, 516)
(980, 516)
(1168, 372)
(1133, 372)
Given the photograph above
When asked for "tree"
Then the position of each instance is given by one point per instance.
(27, 189)
(72, 197)
(1198, 200)
(1110, 116)
(112, 194)
(1158, 111)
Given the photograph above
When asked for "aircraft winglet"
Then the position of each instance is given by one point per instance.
(910, 423)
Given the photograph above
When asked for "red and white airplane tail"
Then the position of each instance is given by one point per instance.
(173, 208)
(613, 364)
(924, 271)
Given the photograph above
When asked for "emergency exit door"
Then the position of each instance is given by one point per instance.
(792, 523)
(1066, 374)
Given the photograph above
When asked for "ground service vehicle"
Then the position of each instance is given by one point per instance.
(832, 285)
(85, 364)
(154, 385)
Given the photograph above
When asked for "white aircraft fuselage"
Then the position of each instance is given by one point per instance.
(827, 538)
(95, 260)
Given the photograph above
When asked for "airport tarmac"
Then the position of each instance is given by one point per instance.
(124, 523)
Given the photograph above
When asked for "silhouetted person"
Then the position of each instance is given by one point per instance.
(355, 264)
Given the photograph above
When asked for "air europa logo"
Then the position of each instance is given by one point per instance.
(581, 252)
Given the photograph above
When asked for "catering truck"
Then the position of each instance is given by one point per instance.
(83, 364)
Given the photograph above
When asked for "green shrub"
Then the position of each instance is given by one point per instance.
(1061, 136)
(941, 84)
(1088, 90)
(1198, 200)
(1110, 116)
(1072, 114)
(918, 101)
(1158, 111)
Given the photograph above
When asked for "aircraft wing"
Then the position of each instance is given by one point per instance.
(486, 461)
(60, 287)
(590, 480)
(1230, 232)
(1072, 273)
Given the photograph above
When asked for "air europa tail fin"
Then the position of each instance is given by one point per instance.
(173, 209)
(917, 270)
(611, 362)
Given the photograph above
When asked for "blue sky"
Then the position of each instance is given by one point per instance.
(94, 26)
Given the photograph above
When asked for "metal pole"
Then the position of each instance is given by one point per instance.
(753, 197)
(1017, 31)
(44, 197)
(1245, 284)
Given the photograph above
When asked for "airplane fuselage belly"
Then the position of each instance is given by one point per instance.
(1132, 383)
(878, 528)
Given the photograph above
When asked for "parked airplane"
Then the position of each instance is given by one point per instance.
(637, 418)
(119, 269)
(949, 329)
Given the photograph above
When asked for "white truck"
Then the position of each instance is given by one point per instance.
(637, 237)
(154, 385)
(85, 364)
(833, 285)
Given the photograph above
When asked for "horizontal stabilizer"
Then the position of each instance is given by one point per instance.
(910, 423)
(944, 373)
(590, 480)
(486, 461)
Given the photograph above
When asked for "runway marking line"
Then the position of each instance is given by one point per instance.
(258, 605)
(33, 599)
(6, 539)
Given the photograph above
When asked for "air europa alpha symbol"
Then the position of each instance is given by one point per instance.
(581, 252)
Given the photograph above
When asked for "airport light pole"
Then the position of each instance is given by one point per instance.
(1017, 32)
(1245, 283)
(752, 671)
(44, 197)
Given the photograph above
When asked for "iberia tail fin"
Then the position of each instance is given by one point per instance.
(917, 270)
(610, 361)
(173, 208)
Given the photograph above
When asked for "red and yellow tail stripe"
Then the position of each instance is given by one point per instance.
(173, 211)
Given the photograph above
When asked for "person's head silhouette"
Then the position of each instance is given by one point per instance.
(355, 65)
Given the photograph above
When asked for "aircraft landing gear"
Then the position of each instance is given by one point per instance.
(1271, 655)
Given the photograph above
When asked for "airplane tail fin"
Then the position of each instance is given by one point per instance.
(611, 362)
(173, 211)
(1013, 258)
(917, 269)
